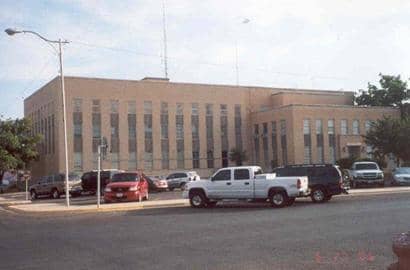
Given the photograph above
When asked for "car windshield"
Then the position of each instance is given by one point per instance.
(125, 177)
(366, 166)
(403, 170)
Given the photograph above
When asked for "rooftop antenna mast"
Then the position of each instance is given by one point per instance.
(165, 39)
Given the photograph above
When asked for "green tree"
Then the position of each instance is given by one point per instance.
(393, 91)
(390, 136)
(238, 156)
(17, 145)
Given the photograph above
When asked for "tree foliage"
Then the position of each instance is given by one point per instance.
(393, 91)
(238, 156)
(17, 145)
(390, 136)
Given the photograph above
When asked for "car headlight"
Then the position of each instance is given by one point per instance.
(134, 188)
(380, 174)
(107, 189)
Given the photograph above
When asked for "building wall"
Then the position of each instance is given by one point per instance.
(296, 114)
(258, 105)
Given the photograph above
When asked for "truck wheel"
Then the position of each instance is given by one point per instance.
(278, 199)
(197, 199)
(33, 194)
(55, 194)
(318, 195)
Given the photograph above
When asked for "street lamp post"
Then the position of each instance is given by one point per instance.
(11, 32)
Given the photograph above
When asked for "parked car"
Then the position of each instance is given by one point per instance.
(156, 183)
(401, 176)
(325, 180)
(54, 186)
(127, 186)
(245, 183)
(366, 173)
(179, 179)
(89, 180)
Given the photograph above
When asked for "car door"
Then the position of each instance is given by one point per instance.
(171, 180)
(220, 186)
(41, 185)
(242, 185)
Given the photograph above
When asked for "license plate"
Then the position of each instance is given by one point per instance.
(119, 195)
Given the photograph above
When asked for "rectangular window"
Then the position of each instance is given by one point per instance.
(115, 138)
(319, 141)
(180, 135)
(164, 136)
(265, 144)
(283, 142)
(209, 122)
(332, 140)
(195, 136)
(355, 127)
(343, 127)
(238, 127)
(132, 136)
(148, 154)
(367, 125)
(256, 143)
(274, 146)
(369, 151)
(224, 134)
(307, 155)
(78, 134)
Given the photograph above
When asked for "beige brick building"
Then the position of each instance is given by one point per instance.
(161, 126)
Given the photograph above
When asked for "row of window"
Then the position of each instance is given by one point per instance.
(344, 130)
(148, 139)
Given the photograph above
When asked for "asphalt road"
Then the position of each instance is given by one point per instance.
(349, 232)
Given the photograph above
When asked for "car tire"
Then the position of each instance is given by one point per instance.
(278, 199)
(197, 199)
(33, 194)
(55, 194)
(318, 195)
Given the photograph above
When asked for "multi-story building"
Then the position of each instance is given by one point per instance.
(160, 126)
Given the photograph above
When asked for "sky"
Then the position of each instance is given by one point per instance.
(330, 45)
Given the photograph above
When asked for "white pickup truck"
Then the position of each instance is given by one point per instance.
(245, 183)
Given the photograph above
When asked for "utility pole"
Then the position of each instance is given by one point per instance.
(102, 149)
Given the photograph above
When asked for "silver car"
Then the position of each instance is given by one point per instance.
(401, 176)
(179, 179)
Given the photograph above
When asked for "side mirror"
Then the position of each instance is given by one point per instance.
(212, 179)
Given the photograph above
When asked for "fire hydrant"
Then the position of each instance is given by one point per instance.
(401, 247)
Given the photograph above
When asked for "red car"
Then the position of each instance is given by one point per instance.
(128, 186)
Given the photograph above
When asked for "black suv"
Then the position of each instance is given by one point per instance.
(325, 180)
(89, 180)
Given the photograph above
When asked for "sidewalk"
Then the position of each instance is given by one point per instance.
(16, 202)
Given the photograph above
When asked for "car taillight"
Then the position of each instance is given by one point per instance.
(299, 184)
